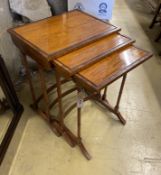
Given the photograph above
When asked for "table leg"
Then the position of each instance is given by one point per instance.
(123, 121)
(67, 135)
(44, 91)
(79, 139)
(120, 92)
(104, 97)
(115, 110)
(59, 92)
(25, 63)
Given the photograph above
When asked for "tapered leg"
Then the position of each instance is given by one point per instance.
(62, 129)
(104, 97)
(79, 123)
(120, 92)
(59, 92)
(25, 63)
(79, 139)
(123, 121)
(115, 110)
(44, 91)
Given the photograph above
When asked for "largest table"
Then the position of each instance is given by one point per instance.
(81, 48)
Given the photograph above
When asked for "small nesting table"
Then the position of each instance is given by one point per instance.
(82, 49)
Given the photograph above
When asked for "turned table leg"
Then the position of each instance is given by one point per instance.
(79, 106)
(123, 121)
(26, 66)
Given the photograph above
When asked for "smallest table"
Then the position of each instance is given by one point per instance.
(94, 73)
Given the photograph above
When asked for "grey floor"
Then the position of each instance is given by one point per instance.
(134, 149)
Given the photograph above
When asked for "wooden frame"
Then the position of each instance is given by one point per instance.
(14, 104)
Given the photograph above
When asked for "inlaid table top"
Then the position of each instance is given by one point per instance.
(58, 35)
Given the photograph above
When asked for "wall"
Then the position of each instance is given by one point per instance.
(7, 49)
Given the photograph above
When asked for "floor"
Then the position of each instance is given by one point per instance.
(133, 149)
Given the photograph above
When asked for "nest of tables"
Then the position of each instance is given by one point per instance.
(91, 53)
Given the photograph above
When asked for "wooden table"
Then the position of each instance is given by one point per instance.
(83, 49)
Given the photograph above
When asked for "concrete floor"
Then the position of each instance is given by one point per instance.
(134, 149)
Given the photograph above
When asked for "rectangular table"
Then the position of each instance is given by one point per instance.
(56, 36)
(81, 48)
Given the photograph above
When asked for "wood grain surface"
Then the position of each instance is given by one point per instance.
(57, 35)
(111, 68)
(79, 59)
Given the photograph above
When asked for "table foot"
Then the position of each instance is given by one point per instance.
(40, 112)
(55, 128)
(84, 151)
(120, 117)
(68, 139)
(65, 132)
(106, 104)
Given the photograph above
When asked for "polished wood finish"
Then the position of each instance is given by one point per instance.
(81, 48)
(111, 68)
(77, 60)
(58, 35)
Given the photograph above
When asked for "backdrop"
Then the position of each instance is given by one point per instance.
(100, 8)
